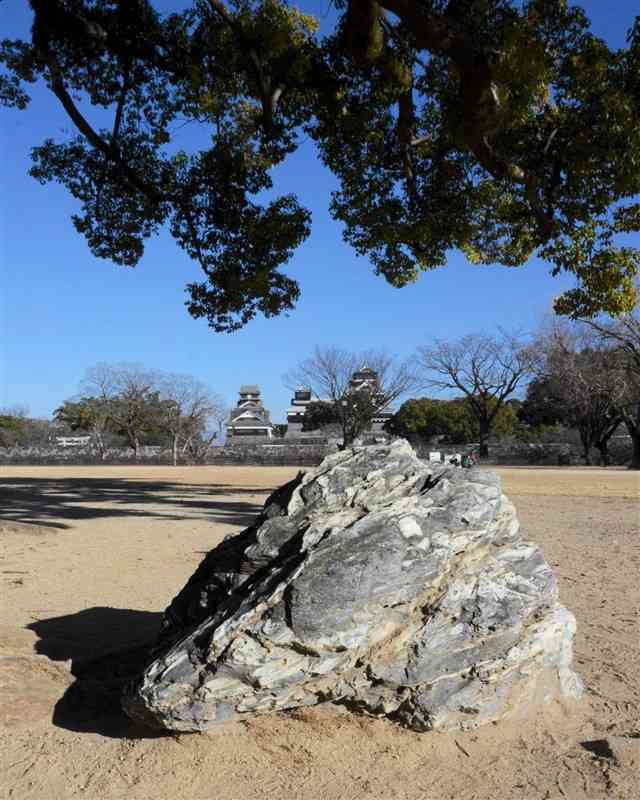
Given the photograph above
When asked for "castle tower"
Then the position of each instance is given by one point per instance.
(249, 421)
(295, 413)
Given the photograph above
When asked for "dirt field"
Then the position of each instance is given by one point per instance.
(93, 555)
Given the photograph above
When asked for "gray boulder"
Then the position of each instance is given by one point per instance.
(396, 587)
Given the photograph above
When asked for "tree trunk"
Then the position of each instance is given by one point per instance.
(347, 440)
(635, 457)
(99, 442)
(349, 433)
(602, 442)
(586, 446)
(632, 421)
(136, 447)
(175, 450)
(603, 449)
(484, 439)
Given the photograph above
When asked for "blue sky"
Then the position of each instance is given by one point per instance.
(62, 310)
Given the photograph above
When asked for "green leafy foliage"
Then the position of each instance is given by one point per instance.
(12, 430)
(453, 420)
(544, 404)
(136, 419)
(352, 414)
(18, 429)
(320, 414)
(502, 129)
(84, 414)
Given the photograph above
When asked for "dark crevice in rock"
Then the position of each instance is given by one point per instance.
(286, 602)
(223, 600)
(278, 501)
(430, 483)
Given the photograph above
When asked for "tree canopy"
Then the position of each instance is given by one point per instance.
(320, 414)
(452, 420)
(544, 404)
(136, 419)
(503, 129)
(18, 428)
(11, 428)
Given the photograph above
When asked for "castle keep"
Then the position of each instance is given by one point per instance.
(249, 420)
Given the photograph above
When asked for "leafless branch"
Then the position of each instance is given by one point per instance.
(485, 369)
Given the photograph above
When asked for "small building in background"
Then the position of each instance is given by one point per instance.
(73, 441)
(295, 413)
(249, 421)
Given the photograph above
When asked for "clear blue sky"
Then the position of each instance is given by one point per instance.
(62, 310)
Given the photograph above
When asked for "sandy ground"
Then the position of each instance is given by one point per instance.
(93, 555)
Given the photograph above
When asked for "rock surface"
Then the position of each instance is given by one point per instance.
(396, 587)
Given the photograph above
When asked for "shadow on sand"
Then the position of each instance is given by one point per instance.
(107, 647)
(53, 501)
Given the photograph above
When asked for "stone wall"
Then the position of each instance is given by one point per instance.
(535, 454)
(260, 454)
(311, 453)
(270, 454)
(54, 455)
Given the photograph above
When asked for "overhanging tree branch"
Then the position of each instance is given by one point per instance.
(109, 150)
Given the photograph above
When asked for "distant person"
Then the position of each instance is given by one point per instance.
(469, 459)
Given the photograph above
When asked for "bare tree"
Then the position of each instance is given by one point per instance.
(329, 373)
(188, 407)
(622, 335)
(486, 369)
(130, 392)
(136, 402)
(220, 415)
(198, 446)
(589, 381)
(18, 411)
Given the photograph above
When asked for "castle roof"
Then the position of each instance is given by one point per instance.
(366, 370)
(249, 423)
(250, 388)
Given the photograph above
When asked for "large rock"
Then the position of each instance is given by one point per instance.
(397, 587)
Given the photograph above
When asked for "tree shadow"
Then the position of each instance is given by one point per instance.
(56, 502)
(108, 647)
